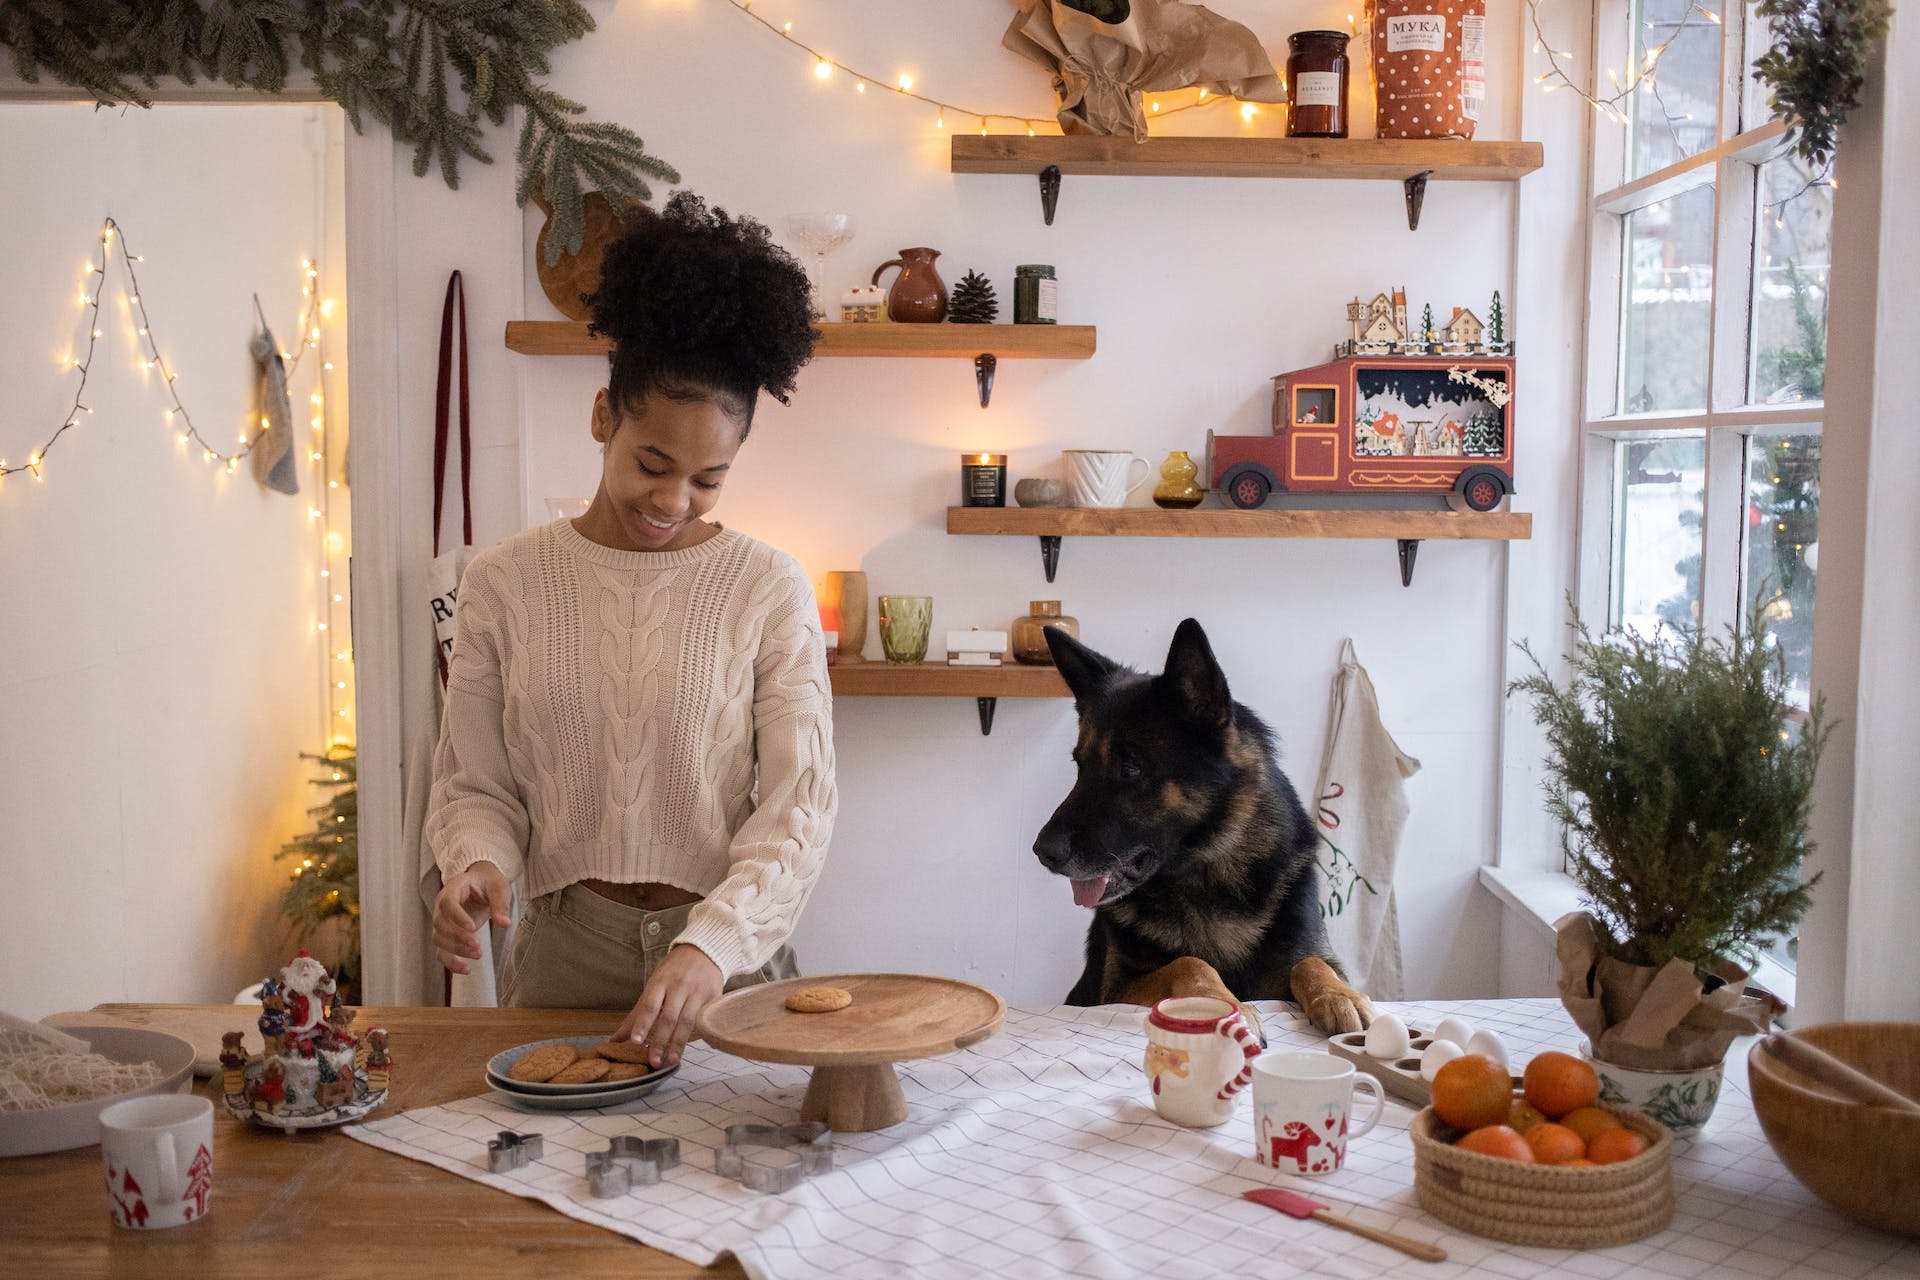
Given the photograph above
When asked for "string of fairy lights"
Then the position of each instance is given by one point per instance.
(1641, 77)
(337, 664)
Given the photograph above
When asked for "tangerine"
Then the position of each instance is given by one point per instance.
(1559, 1082)
(1497, 1140)
(1472, 1092)
(1523, 1116)
(1588, 1121)
(1555, 1143)
(1614, 1145)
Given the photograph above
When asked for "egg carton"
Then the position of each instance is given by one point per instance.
(1400, 1077)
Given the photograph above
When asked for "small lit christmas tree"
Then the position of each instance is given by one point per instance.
(325, 884)
(1427, 342)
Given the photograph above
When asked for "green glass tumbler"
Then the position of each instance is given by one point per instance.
(905, 622)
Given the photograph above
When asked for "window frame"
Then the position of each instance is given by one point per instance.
(1732, 169)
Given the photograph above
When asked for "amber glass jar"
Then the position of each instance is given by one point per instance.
(1317, 84)
(1029, 633)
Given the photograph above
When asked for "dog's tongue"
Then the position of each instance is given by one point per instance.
(1087, 893)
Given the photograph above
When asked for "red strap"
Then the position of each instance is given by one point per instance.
(456, 305)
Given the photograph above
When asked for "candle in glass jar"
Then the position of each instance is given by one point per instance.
(1317, 84)
(983, 479)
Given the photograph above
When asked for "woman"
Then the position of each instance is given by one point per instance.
(638, 718)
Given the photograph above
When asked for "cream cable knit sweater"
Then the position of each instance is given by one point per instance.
(605, 714)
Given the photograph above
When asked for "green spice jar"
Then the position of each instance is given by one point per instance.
(1036, 294)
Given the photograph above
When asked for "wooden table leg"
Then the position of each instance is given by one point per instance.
(855, 1099)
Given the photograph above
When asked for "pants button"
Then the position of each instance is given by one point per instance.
(653, 926)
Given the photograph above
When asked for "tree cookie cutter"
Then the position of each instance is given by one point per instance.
(512, 1150)
(765, 1157)
(630, 1162)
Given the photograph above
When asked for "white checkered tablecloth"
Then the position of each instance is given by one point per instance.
(1037, 1153)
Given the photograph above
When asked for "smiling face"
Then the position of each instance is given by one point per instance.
(664, 461)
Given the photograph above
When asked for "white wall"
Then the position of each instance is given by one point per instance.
(158, 664)
(1202, 289)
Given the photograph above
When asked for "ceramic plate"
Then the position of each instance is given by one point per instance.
(77, 1124)
(500, 1067)
(624, 1092)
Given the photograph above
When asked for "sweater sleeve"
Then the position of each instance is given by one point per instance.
(776, 857)
(475, 813)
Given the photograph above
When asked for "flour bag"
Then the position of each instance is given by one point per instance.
(1429, 67)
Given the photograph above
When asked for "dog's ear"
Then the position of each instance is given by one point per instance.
(1083, 669)
(1196, 677)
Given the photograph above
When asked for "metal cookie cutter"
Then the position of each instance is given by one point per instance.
(765, 1157)
(629, 1162)
(511, 1150)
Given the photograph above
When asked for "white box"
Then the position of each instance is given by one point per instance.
(976, 641)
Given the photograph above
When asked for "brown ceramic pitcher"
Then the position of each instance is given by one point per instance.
(918, 294)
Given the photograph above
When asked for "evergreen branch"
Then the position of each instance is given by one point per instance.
(1817, 65)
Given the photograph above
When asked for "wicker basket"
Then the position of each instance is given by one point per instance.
(1544, 1205)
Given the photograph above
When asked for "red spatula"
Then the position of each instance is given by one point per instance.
(1299, 1206)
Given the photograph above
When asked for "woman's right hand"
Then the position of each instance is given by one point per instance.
(468, 901)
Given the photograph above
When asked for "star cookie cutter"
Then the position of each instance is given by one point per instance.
(765, 1157)
(512, 1150)
(630, 1162)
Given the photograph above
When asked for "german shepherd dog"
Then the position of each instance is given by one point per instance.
(1187, 840)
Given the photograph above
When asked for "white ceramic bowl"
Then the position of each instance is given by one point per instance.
(77, 1124)
(1680, 1100)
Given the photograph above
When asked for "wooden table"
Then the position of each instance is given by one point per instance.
(284, 1204)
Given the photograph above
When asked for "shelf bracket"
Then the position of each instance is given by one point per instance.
(1416, 189)
(983, 366)
(1050, 553)
(1049, 191)
(987, 706)
(1409, 548)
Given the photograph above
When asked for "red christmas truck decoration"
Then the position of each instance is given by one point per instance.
(1380, 424)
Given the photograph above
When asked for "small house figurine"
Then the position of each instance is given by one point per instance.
(866, 304)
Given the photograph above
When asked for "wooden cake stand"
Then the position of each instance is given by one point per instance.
(894, 1017)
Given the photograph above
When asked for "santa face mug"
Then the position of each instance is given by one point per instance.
(1198, 1053)
(1302, 1104)
(159, 1156)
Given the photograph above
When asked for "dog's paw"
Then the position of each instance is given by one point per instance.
(1330, 1004)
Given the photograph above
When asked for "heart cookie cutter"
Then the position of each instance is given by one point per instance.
(511, 1151)
(630, 1162)
(765, 1157)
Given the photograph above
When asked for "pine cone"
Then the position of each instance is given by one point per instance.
(972, 301)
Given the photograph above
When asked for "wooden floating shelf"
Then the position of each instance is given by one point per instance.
(986, 685)
(1407, 528)
(877, 340)
(1355, 158)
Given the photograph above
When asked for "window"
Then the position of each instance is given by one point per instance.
(1706, 341)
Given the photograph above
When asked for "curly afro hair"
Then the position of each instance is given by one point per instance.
(701, 305)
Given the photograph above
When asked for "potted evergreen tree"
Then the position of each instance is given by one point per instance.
(1682, 787)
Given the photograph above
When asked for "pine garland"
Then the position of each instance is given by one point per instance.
(429, 70)
(1682, 794)
(1817, 66)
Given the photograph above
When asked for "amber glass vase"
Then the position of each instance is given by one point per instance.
(1029, 640)
(1177, 489)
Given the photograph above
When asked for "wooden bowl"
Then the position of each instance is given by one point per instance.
(1548, 1206)
(1863, 1160)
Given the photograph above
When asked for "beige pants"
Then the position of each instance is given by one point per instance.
(577, 950)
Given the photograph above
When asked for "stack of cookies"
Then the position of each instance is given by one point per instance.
(565, 1064)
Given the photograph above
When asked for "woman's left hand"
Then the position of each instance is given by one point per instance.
(662, 1019)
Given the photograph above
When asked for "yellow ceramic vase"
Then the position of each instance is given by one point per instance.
(1177, 489)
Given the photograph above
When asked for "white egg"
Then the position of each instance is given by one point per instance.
(1488, 1045)
(1387, 1038)
(1437, 1055)
(1454, 1029)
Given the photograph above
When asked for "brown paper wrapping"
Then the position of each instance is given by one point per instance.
(1100, 69)
(1650, 1019)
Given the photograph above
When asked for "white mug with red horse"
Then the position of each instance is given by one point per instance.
(1302, 1105)
(159, 1156)
(1198, 1054)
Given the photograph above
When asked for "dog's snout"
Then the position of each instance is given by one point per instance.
(1053, 848)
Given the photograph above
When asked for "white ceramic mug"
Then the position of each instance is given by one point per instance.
(1102, 477)
(1302, 1104)
(1198, 1051)
(159, 1156)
